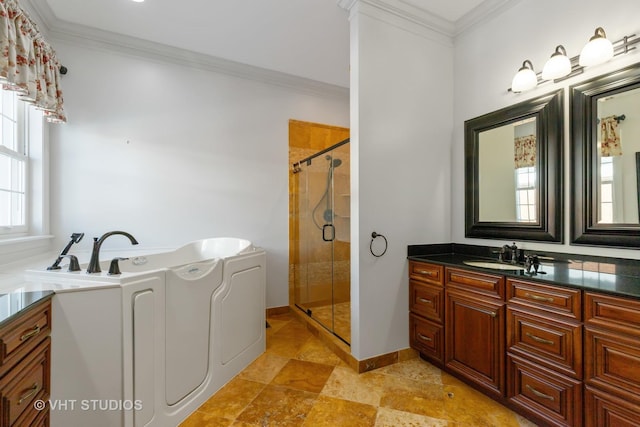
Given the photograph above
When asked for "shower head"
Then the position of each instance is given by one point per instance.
(335, 163)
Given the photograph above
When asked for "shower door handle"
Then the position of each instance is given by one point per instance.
(332, 229)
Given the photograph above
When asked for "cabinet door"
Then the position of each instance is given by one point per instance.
(474, 331)
(604, 410)
(612, 363)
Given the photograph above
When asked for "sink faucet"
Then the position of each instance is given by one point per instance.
(514, 253)
(94, 262)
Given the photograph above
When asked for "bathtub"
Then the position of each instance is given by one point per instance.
(148, 347)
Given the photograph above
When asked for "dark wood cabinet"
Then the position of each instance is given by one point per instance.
(607, 410)
(543, 394)
(612, 360)
(474, 329)
(426, 306)
(25, 367)
(544, 352)
(558, 355)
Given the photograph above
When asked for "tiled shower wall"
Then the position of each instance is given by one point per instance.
(306, 139)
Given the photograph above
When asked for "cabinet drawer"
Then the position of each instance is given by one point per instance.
(484, 284)
(547, 396)
(611, 312)
(18, 337)
(550, 342)
(426, 300)
(426, 337)
(429, 273)
(554, 299)
(29, 381)
(604, 410)
(612, 363)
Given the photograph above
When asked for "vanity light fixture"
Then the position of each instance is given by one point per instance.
(559, 65)
(525, 79)
(598, 51)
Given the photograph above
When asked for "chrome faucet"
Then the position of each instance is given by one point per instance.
(94, 262)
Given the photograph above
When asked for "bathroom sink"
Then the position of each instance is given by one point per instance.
(494, 265)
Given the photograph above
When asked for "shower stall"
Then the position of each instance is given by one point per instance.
(321, 238)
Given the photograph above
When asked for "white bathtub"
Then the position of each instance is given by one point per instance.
(148, 347)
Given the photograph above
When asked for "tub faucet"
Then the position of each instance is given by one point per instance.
(94, 262)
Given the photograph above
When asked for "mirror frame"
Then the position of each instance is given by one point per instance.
(548, 111)
(584, 128)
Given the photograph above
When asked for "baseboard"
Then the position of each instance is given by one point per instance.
(274, 311)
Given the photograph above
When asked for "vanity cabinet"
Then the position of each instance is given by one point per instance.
(426, 306)
(612, 360)
(474, 328)
(25, 366)
(544, 352)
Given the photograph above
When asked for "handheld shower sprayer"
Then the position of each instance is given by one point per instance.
(75, 238)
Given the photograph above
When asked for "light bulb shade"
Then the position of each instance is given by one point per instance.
(597, 51)
(559, 65)
(525, 79)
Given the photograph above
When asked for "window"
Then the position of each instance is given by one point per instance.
(606, 190)
(13, 165)
(22, 163)
(526, 209)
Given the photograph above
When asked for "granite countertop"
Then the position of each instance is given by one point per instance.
(12, 303)
(610, 275)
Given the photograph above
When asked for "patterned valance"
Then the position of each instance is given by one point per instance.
(610, 137)
(525, 151)
(28, 64)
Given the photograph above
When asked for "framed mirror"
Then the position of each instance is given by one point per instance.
(605, 130)
(513, 171)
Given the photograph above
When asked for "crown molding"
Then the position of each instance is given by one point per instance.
(403, 15)
(84, 36)
(482, 13)
(399, 8)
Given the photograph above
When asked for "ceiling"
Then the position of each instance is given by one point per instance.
(305, 38)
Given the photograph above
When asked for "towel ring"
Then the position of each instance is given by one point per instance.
(375, 235)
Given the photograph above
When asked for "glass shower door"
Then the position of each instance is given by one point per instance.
(321, 231)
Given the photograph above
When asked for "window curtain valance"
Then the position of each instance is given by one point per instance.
(525, 151)
(610, 137)
(28, 64)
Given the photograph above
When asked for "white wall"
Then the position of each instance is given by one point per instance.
(401, 92)
(488, 55)
(173, 153)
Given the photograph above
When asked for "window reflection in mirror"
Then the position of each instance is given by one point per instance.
(618, 141)
(507, 175)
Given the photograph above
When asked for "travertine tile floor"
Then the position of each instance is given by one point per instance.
(338, 316)
(300, 382)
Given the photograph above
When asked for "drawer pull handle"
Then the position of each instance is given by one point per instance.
(426, 301)
(422, 337)
(490, 313)
(34, 332)
(539, 394)
(538, 339)
(33, 390)
(538, 297)
(428, 273)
